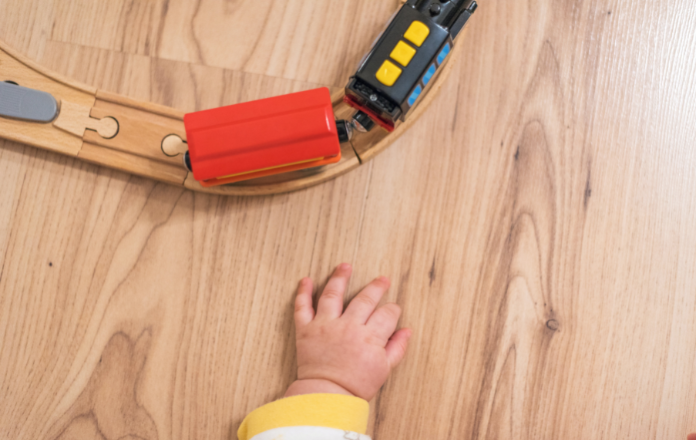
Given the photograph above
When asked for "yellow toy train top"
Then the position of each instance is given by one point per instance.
(406, 58)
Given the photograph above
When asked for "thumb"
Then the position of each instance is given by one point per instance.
(396, 347)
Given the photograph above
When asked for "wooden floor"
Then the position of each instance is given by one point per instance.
(539, 226)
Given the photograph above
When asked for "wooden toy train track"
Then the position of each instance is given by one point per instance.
(145, 139)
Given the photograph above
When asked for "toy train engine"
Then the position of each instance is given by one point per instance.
(265, 137)
(299, 131)
(406, 58)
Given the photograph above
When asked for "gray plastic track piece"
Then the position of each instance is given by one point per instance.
(19, 102)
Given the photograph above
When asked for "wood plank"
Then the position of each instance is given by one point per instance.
(24, 25)
(534, 257)
(132, 27)
(537, 224)
(283, 39)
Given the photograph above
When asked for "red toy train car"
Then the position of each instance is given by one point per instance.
(261, 138)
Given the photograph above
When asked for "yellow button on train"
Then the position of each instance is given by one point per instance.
(417, 33)
(403, 53)
(388, 73)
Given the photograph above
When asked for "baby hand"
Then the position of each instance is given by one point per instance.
(349, 352)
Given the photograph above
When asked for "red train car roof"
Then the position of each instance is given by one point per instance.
(262, 134)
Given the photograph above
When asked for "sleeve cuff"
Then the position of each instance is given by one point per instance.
(345, 413)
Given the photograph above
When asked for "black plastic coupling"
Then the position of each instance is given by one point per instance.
(187, 162)
(345, 130)
(362, 122)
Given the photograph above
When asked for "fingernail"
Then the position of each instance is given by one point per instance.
(344, 266)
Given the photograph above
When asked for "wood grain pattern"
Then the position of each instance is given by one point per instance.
(142, 129)
(76, 120)
(15, 65)
(537, 224)
(132, 136)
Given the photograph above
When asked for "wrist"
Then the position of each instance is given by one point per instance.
(315, 386)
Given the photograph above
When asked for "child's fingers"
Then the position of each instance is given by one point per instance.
(396, 347)
(691, 437)
(304, 311)
(383, 322)
(364, 304)
(331, 300)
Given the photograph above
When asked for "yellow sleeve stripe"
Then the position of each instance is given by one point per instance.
(337, 411)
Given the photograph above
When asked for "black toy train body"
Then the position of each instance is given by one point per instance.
(406, 58)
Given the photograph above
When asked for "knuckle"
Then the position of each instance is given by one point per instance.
(365, 300)
(324, 331)
(332, 293)
(392, 311)
(373, 340)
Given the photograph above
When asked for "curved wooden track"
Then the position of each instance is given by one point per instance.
(137, 146)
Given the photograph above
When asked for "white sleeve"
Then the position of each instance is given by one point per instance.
(309, 433)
